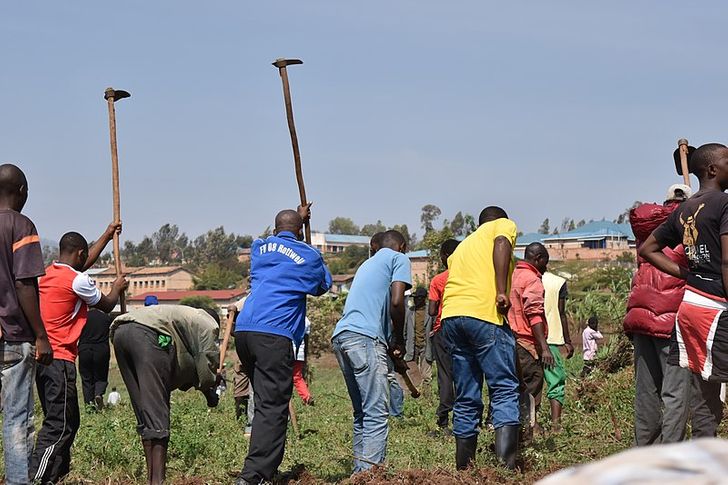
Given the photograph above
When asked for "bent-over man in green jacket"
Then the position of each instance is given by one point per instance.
(160, 349)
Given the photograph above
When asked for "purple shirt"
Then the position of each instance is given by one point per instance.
(590, 337)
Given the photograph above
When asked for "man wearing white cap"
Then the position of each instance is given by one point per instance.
(650, 321)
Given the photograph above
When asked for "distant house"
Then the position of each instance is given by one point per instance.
(222, 298)
(341, 283)
(419, 260)
(145, 279)
(597, 241)
(524, 240)
(336, 243)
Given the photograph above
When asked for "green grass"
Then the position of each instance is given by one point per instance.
(208, 444)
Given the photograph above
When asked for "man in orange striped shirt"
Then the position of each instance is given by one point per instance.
(24, 339)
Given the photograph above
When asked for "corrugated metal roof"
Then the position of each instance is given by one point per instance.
(422, 253)
(346, 239)
(531, 237)
(596, 229)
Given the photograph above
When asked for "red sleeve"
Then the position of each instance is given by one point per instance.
(437, 287)
(533, 296)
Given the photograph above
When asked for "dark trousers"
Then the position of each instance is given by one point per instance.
(530, 377)
(93, 365)
(706, 408)
(268, 361)
(446, 388)
(51, 458)
(147, 370)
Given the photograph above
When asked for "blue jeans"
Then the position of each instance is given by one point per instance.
(17, 379)
(363, 361)
(482, 348)
(396, 393)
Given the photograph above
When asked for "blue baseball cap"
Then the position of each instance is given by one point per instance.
(151, 300)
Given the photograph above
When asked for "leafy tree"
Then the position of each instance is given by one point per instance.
(347, 261)
(216, 246)
(457, 225)
(572, 226)
(342, 225)
(565, 224)
(216, 277)
(545, 227)
(430, 213)
(266, 233)
(50, 254)
(581, 223)
(372, 229)
(167, 243)
(411, 239)
(432, 242)
(200, 301)
(470, 224)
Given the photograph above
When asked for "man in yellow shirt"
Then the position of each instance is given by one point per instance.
(473, 314)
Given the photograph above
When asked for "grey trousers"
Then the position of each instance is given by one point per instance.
(650, 359)
(662, 393)
(706, 408)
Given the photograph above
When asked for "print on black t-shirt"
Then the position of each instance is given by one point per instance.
(698, 225)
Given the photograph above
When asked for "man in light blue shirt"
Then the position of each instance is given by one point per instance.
(362, 339)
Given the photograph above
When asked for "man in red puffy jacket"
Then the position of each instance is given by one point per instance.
(650, 320)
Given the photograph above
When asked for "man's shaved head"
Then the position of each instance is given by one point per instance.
(72, 241)
(288, 220)
(705, 156)
(375, 243)
(394, 240)
(491, 213)
(13, 186)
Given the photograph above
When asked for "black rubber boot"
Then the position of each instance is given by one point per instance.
(506, 445)
(465, 452)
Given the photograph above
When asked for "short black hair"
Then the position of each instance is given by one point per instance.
(703, 157)
(491, 213)
(593, 320)
(72, 241)
(534, 250)
(213, 314)
(449, 246)
(11, 179)
(392, 238)
(377, 239)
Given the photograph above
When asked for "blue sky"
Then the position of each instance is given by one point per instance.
(549, 109)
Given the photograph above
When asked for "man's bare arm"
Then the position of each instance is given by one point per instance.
(397, 312)
(96, 248)
(27, 291)
(433, 308)
(502, 253)
(651, 250)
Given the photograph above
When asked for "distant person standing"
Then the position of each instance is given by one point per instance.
(94, 353)
(652, 307)
(590, 338)
(473, 315)
(556, 293)
(527, 319)
(284, 270)
(24, 339)
(373, 326)
(418, 326)
(299, 382)
(440, 345)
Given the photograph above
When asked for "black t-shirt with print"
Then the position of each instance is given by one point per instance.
(697, 224)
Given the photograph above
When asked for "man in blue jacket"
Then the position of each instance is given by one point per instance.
(283, 271)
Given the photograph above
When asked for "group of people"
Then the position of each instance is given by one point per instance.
(486, 318)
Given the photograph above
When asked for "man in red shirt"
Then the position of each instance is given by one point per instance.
(527, 319)
(65, 296)
(440, 345)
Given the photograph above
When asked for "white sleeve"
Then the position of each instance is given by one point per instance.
(86, 289)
